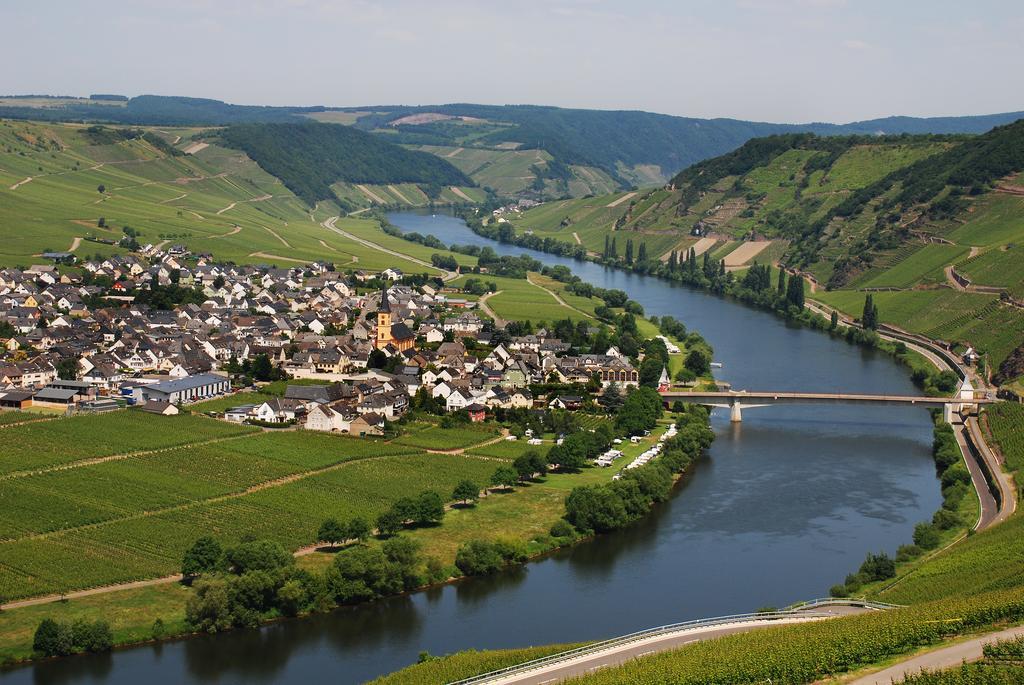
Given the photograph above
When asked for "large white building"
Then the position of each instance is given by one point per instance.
(184, 390)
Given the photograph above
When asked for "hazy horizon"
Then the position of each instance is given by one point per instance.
(785, 61)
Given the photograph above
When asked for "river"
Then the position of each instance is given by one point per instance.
(786, 504)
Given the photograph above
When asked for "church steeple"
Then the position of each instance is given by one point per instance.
(383, 320)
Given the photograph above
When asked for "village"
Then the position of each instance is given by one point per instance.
(162, 331)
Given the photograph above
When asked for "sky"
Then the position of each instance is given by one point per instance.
(766, 60)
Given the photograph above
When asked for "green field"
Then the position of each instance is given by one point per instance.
(436, 438)
(132, 518)
(520, 300)
(942, 314)
(922, 265)
(216, 200)
(995, 220)
(509, 449)
(45, 444)
(1001, 266)
(111, 528)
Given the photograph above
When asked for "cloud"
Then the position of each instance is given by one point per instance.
(854, 44)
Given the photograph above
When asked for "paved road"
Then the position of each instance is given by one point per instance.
(947, 657)
(989, 506)
(1004, 481)
(615, 656)
(329, 225)
(486, 309)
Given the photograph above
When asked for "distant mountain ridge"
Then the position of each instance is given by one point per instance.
(614, 141)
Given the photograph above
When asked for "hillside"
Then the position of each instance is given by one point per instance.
(930, 224)
(174, 186)
(515, 150)
(309, 158)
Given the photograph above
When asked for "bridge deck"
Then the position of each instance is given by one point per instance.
(727, 397)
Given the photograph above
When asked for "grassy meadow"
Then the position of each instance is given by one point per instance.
(216, 200)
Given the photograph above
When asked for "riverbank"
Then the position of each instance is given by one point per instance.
(524, 514)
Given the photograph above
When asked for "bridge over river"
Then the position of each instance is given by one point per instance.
(966, 401)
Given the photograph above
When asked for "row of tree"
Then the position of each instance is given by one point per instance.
(606, 507)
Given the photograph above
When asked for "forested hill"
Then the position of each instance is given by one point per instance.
(901, 197)
(630, 146)
(309, 158)
(606, 139)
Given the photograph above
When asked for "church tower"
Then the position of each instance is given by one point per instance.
(383, 320)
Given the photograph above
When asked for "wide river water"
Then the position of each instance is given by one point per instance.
(786, 504)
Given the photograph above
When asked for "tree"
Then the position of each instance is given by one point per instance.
(650, 371)
(291, 597)
(479, 557)
(262, 369)
(629, 251)
(466, 492)
(209, 608)
(218, 282)
(389, 523)
(795, 292)
(94, 637)
(358, 529)
(204, 556)
(698, 361)
(834, 320)
(258, 555)
(101, 222)
(782, 282)
(504, 477)
(869, 316)
(332, 532)
(611, 399)
(524, 467)
(67, 369)
(53, 639)
(641, 255)
(429, 508)
(101, 188)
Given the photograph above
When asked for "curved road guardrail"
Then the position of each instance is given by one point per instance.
(801, 610)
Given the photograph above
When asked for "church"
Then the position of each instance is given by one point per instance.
(397, 334)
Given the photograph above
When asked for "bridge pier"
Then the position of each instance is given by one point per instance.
(735, 412)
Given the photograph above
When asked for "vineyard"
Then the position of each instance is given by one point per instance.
(466, 664)
(132, 519)
(510, 449)
(9, 417)
(63, 441)
(810, 652)
(436, 438)
(1006, 422)
(1003, 663)
(153, 482)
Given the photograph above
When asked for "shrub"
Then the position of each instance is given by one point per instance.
(53, 638)
(562, 529)
(209, 608)
(907, 553)
(480, 557)
(944, 519)
(258, 555)
(926, 536)
(878, 567)
(957, 473)
(92, 636)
